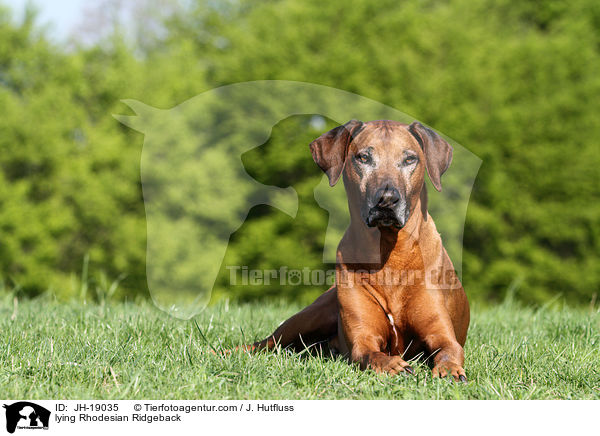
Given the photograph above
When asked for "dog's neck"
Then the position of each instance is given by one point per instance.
(372, 245)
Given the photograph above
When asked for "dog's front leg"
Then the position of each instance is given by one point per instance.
(437, 332)
(449, 356)
(449, 359)
(366, 331)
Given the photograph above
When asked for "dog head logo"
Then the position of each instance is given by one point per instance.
(197, 192)
(26, 415)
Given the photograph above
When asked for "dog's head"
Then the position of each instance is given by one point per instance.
(384, 164)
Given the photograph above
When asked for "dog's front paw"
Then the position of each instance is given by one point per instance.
(382, 363)
(446, 368)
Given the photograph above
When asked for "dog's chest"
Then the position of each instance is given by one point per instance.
(401, 342)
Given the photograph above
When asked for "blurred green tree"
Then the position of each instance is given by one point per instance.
(514, 82)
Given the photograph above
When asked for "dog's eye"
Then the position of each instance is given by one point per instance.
(409, 160)
(363, 158)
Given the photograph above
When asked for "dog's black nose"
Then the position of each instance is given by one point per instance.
(386, 197)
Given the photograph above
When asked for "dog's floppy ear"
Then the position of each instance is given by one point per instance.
(438, 153)
(424, 200)
(330, 149)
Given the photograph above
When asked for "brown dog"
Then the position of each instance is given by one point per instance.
(396, 294)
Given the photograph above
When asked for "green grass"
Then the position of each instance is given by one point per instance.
(122, 351)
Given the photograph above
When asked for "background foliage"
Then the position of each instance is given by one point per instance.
(517, 83)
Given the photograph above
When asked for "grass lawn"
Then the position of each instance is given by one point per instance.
(128, 351)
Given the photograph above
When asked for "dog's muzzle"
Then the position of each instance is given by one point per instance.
(389, 209)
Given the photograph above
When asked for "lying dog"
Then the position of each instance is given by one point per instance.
(396, 294)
